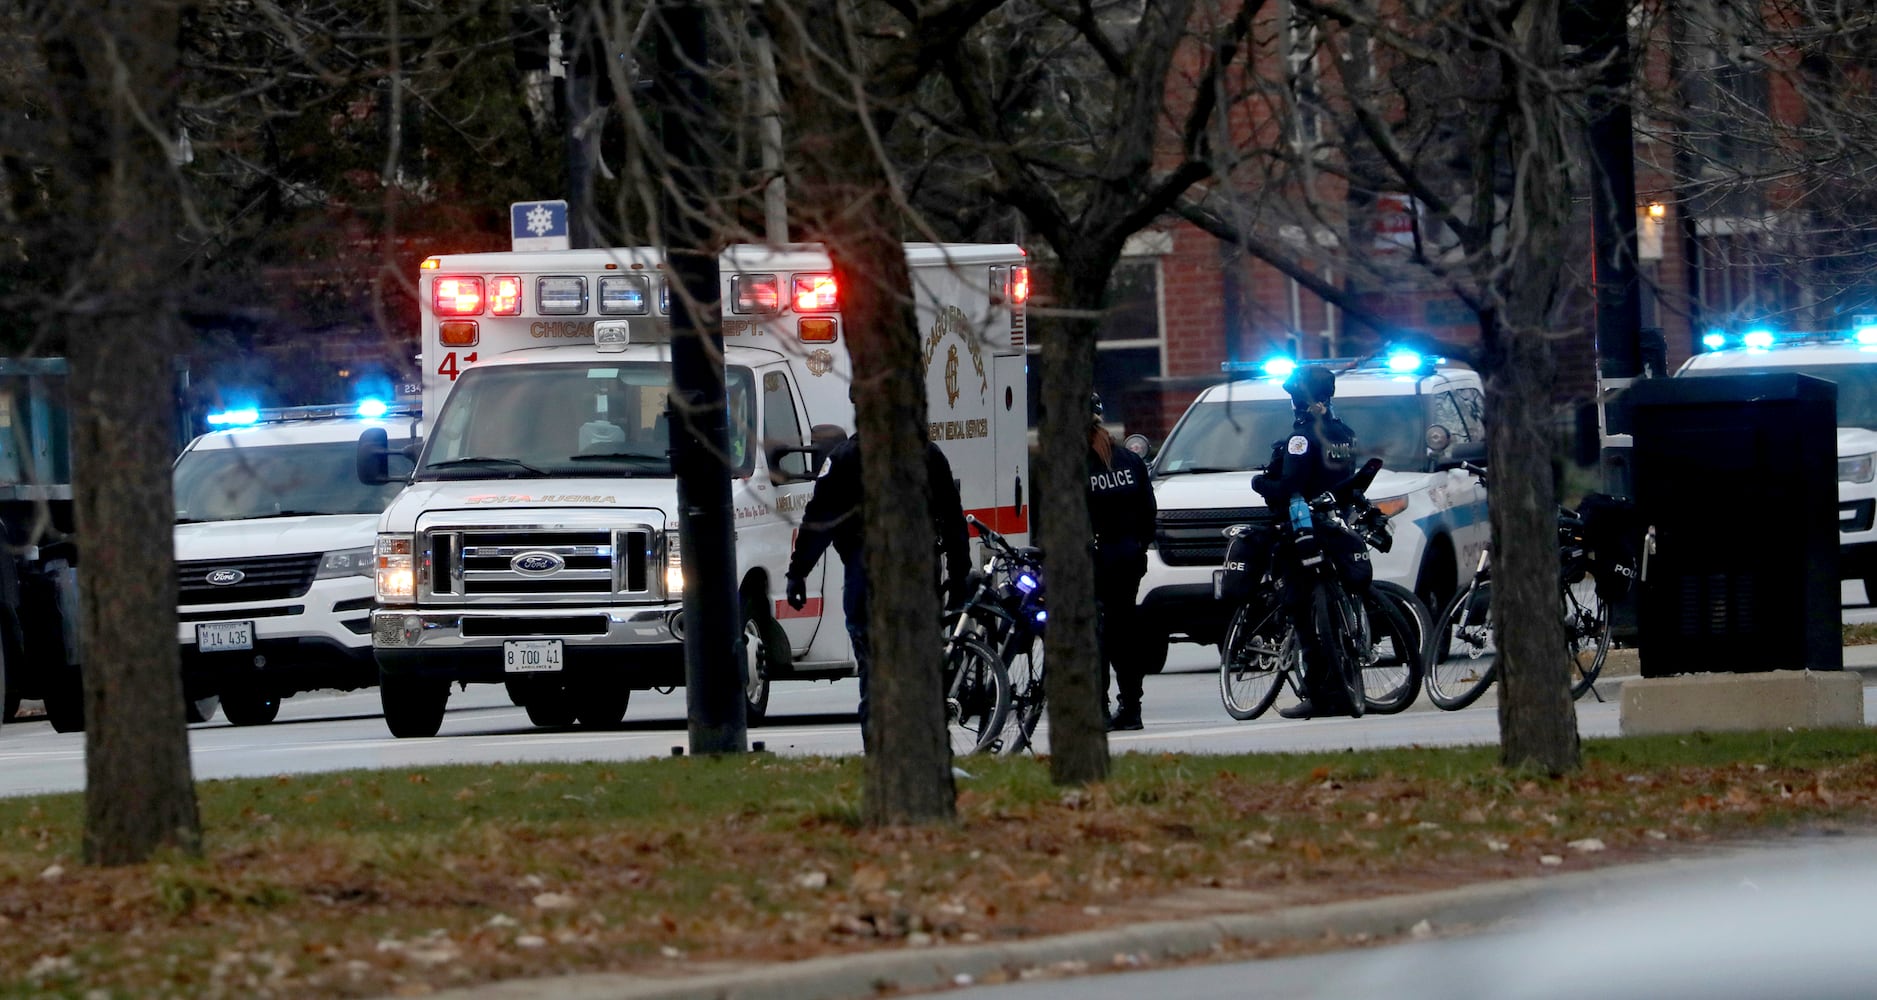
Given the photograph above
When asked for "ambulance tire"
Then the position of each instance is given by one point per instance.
(413, 706)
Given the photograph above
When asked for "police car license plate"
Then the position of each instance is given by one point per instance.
(219, 637)
(526, 656)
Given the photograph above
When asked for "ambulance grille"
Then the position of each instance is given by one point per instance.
(541, 564)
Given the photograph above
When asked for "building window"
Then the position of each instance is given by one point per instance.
(1130, 344)
(1301, 77)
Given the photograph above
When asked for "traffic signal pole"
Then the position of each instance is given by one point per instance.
(714, 700)
(1598, 30)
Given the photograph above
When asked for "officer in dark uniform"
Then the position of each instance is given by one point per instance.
(834, 516)
(1320, 453)
(1121, 511)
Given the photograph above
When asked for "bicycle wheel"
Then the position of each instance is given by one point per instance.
(1258, 647)
(977, 696)
(1459, 678)
(1332, 675)
(1023, 662)
(1586, 634)
(1394, 665)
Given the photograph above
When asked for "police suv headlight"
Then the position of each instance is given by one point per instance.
(1391, 506)
(347, 562)
(1857, 469)
(396, 568)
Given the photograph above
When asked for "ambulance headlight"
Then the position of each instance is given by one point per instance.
(1857, 468)
(347, 562)
(674, 564)
(396, 568)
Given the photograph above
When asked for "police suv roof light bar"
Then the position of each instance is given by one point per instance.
(370, 409)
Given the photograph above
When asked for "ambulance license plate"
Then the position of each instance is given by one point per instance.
(527, 656)
(220, 637)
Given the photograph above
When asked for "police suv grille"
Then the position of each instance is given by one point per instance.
(266, 578)
(469, 563)
(1197, 537)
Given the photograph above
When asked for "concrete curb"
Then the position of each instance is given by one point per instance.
(913, 970)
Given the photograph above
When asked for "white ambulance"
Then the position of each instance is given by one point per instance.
(536, 543)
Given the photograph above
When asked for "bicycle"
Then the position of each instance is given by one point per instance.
(1374, 636)
(993, 650)
(1595, 566)
(1260, 655)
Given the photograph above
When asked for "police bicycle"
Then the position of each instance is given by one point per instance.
(1596, 566)
(1000, 622)
(1370, 641)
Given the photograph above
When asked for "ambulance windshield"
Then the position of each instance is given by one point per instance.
(576, 419)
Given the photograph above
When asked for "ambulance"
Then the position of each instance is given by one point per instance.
(535, 543)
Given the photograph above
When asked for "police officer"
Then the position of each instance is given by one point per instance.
(834, 516)
(1121, 511)
(1320, 453)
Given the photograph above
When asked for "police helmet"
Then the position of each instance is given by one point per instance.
(1094, 407)
(1310, 384)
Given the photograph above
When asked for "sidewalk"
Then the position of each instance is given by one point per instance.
(1621, 664)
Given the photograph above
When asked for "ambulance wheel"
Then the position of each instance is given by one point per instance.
(413, 705)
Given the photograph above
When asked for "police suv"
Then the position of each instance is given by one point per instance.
(274, 535)
(1850, 360)
(1407, 410)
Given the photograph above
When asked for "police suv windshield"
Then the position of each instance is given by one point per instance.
(235, 484)
(1857, 385)
(1236, 435)
(566, 420)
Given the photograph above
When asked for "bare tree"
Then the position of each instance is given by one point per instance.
(112, 86)
(1090, 123)
(1368, 105)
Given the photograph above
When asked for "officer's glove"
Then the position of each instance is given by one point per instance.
(797, 591)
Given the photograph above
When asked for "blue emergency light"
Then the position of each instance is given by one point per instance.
(1405, 361)
(1714, 340)
(1865, 335)
(1758, 340)
(1278, 367)
(372, 409)
(234, 418)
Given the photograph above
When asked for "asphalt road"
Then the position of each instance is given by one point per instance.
(333, 731)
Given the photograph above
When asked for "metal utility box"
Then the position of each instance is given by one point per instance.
(1737, 477)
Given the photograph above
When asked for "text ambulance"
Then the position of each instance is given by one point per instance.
(536, 544)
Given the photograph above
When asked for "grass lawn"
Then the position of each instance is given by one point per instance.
(400, 882)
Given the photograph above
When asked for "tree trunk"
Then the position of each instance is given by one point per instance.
(909, 774)
(1075, 684)
(1537, 722)
(115, 67)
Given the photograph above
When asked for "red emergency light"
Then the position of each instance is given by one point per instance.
(815, 293)
(1017, 289)
(505, 296)
(458, 296)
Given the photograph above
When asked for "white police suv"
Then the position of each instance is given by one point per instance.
(1407, 410)
(274, 535)
(1850, 360)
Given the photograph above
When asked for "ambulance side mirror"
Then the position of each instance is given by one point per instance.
(802, 463)
(374, 457)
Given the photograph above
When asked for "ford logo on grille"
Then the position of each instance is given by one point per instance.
(537, 563)
(225, 577)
